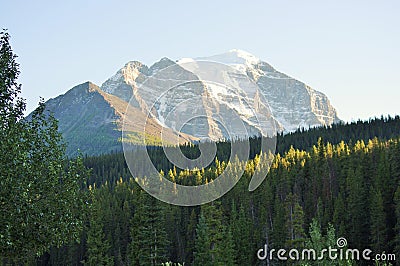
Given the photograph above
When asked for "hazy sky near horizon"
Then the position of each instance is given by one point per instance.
(348, 50)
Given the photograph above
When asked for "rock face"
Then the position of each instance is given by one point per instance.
(292, 103)
(90, 117)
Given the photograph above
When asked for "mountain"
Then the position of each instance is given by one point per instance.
(293, 103)
(230, 95)
(91, 121)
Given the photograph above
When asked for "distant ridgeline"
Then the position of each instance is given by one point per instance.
(341, 181)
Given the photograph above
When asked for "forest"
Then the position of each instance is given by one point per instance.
(329, 188)
(325, 184)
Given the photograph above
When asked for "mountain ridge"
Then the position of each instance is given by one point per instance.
(91, 116)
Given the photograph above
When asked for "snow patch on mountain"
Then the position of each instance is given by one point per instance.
(252, 82)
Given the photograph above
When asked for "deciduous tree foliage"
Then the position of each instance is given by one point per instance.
(40, 198)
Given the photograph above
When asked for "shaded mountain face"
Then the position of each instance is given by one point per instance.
(86, 120)
(257, 99)
(90, 121)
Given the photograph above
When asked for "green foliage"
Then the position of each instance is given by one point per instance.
(171, 264)
(328, 182)
(378, 222)
(350, 188)
(40, 197)
(294, 222)
(203, 243)
(98, 247)
(241, 228)
(149, 239)
(318, 242)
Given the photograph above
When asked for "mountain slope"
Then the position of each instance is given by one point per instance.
(293, 103)
(231, 95)
(86, 120)
(91, 121)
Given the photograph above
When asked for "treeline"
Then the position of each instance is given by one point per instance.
(384, 128)
(309, 198)
(110, 167)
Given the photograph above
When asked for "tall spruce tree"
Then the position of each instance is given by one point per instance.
(378, 222)
(294, 222)
(98, 247)
(149, 238)
(202, 246)
(191, 236)
(241, 232)
(211, 233)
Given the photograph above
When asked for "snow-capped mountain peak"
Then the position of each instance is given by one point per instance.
(233, 57)
(248, 95)
(290, 102)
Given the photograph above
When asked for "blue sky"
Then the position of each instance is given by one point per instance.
(347, 49)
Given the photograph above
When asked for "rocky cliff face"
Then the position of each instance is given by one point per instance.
(187, 104)
(292, 103)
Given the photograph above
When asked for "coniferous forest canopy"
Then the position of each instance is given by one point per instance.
(324, 183)
(337, 190)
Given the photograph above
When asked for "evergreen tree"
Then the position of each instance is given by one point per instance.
(202, 250)
(212, 236)
(191, 236)
(378, 222)
(279, 231)
(357, 208)
(396, 239)
(294, 222)
(241, 231)
(98, 248)
(339, 215)
(150, 242)
(227, 256)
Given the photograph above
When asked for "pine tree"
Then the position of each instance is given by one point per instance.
(241, 232)
(149, 239)
(212, 235)
(202, 249)
(378, 222)
(357, 208)
(191, 236)
(98, 248)
(339, 215)
(294, 222)
(279, 231)
(227, 256)
(397, 227)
